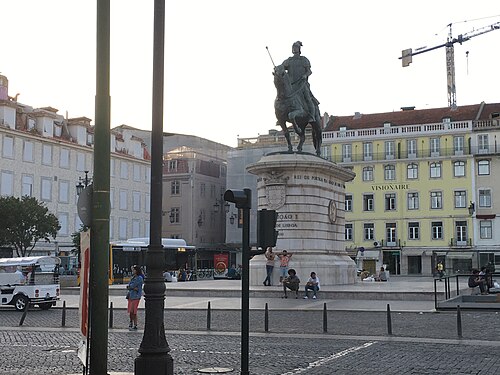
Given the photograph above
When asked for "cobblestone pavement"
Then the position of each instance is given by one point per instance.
(33, 352)
(484, 325)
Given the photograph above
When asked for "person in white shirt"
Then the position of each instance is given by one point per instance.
(312, 284)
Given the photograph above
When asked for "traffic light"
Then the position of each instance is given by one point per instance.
(266, 229)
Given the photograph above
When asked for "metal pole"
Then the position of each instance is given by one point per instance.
(245, 282)
(209, 317)
(63, 317)
(389, 320)
(459, 322)
(266, 319)
(154, 358)
(111, 315)
(325, 319)
(99, 235)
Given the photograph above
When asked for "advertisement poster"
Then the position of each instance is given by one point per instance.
(84, 294)
(220, 265)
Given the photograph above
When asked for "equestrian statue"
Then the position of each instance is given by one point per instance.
(295, 102)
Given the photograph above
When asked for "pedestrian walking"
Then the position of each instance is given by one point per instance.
(134, 295)
(270, 258)
(284, 257)
(440, 270)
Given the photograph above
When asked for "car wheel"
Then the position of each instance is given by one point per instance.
(20, 302)
(45, 306)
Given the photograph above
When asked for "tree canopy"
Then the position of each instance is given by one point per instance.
(24, 221)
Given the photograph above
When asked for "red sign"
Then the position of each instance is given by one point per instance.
(221, 262)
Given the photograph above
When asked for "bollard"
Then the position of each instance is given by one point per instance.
(209, 316)
(24, 313)
(63, 317)
(389, 321)
(459, 322)
(266, 319)
(111, 315)
(325, 319)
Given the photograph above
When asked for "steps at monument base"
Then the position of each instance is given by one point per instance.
(276, 292)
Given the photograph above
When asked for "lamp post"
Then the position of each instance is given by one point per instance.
(155, 358)
(83, 183)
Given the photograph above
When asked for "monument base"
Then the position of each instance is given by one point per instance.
(332, 269)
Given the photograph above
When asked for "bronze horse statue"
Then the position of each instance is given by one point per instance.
(289, 106)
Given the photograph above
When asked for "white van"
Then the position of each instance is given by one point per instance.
(29, 280)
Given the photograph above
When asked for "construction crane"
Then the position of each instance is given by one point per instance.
(450, 56)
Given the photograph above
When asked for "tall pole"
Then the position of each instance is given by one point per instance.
(245, 282)
(99, 235)
(154, 358)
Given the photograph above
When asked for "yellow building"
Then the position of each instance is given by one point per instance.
(412, 202)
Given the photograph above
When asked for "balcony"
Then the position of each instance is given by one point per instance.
(455, 243)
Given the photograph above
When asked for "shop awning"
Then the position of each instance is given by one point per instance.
(459, 255)
(368, 254)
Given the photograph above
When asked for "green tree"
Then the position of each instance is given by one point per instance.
(23, 222)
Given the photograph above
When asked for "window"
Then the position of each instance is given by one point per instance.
(348, 232)
(459, 169)
(147, 203)
(111, 227)
(64, 158)
(367, 151)
(202, 190)
(368, 174)
(368, 202)
(112, 166)
(389, 149)
(460, 199)
(148, 175)
(6, 183)
(137, 172)
(63, 222)
(485, 229)
(28, 151)
(435, 170)
(348, 202)
(369, 229)
(212, 191)
(482, 143)
(390, 232)
(122, 228)
(175, 187)
(46, 154)
(437, 230)
(413, 201)
(413, 231)
(484, 198)
(483, 167)
(172, 165)
(412, 171)
(27, 185)
(136, 201)
(390, 201)
(175, 212)
(123, 199)
(80, 162)
(461, 232)
(8, 147)
(411, 146)
(136, 228)
(435, 146)
(458, 145)
(63, 191)
(390, 172)
(124, 170)
(436, 199)
(346, 152)
(46, 191)
(147, 227)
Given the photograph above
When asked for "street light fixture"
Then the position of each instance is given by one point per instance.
(83, 183)
(471, 208)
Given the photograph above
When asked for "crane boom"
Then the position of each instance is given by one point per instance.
(407, 55)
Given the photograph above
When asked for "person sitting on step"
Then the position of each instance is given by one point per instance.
(291, 282)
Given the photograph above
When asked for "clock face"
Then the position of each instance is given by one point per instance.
(332, 211)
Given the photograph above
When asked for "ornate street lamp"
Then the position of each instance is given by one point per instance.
(83, 183)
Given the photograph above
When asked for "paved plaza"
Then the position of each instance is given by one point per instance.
(356, 339)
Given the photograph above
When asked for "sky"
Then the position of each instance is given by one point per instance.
(218, 74)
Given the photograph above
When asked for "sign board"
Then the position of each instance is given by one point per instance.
(84, 295)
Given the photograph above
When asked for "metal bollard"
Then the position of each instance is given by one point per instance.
(209, 317)
(63, 317)
(266, 319)
(325, 319)
(24, 314)
(459, 322)
(389, 320)
(111, 315)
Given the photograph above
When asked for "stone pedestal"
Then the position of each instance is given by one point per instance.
(308, 193)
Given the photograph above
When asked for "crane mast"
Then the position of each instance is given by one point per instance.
(407, 55)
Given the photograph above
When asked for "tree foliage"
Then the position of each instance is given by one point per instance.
(23, 222)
